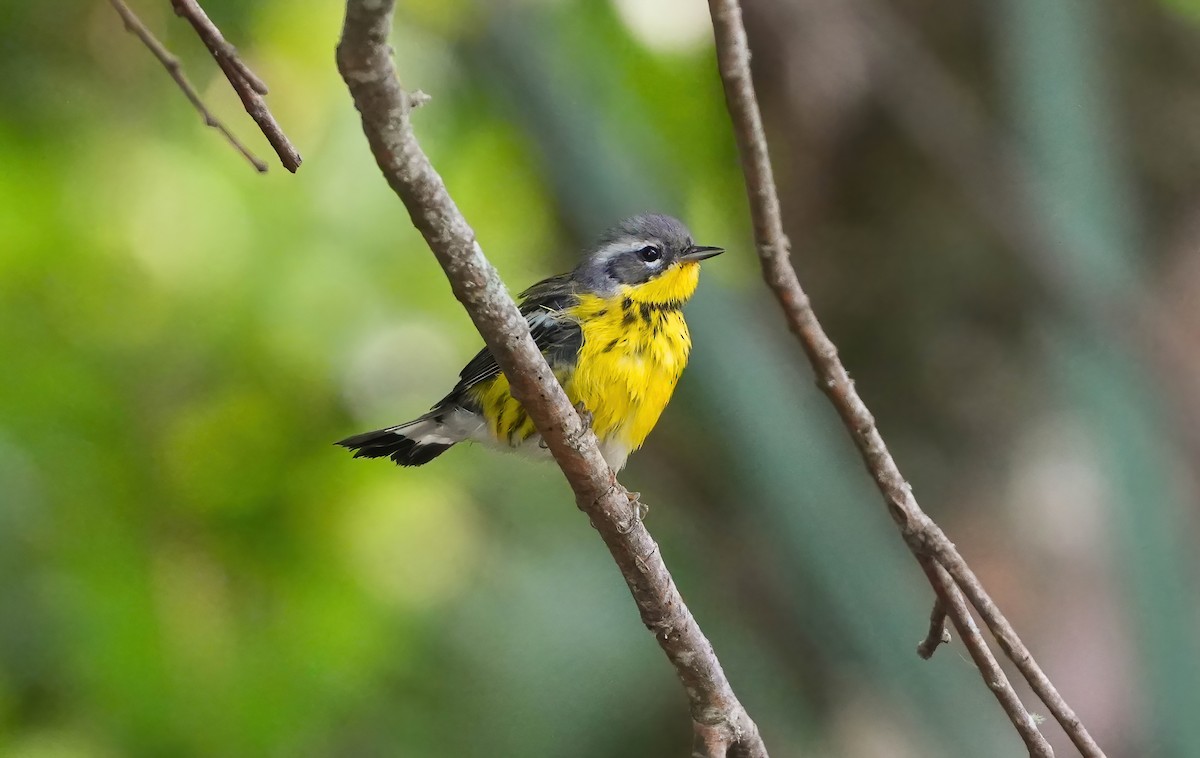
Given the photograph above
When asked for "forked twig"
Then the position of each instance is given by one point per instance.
(952, 603)
(924, 537)
(249, 88)
(135, 26)
(1015, 649)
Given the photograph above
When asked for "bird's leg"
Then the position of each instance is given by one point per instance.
(585, 416)
(585, 423)
(638, 508)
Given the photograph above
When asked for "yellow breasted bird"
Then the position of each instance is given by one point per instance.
(613, 332)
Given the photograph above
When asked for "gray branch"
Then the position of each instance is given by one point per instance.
(135, 26)
(721, 725)
(952, 604)
(249, 88)
(938, 634)
(923, 536)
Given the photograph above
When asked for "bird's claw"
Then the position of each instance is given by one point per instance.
(585, 426)
(585, 416)
(639, 509)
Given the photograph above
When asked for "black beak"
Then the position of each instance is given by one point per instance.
(700, 252)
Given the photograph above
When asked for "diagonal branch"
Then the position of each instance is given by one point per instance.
(923, 537)
(948, 556)
(249, 88)
(721, 725)
(951, 603)
(135, 26)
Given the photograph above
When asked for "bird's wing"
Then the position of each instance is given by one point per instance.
(552, 291)
(558, 336)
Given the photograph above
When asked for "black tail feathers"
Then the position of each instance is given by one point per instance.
(392, 443)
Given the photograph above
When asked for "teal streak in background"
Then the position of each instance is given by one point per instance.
(1056, 62)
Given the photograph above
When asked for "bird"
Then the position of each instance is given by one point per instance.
(613, 332)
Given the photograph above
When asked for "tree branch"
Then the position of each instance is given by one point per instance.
(951, 601)
(923, 537)
(938, 634)
(948, 556)
(134, 25)
(364, 59)
(249, 88)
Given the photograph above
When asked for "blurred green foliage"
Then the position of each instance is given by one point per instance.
(188, 567)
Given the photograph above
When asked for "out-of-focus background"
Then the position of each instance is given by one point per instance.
(995, 207)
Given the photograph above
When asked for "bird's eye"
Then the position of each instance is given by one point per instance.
(650, 253)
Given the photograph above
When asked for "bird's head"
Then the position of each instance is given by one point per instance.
(650, 258)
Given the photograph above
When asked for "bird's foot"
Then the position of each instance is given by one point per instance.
(638, 511)
(585, 416)
(640, 508)
(585, 426)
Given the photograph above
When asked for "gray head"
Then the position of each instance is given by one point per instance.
(637, 250)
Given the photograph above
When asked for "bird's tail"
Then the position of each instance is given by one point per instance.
(412, 444)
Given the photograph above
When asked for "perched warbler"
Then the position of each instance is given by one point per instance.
(613, 332)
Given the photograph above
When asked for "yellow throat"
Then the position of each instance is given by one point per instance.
(635, 346)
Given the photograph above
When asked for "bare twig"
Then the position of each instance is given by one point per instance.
(924, 537)
(134, 25)
(249, 88)
(926, 99)
(947, 555)
(938, 633)
(951, 600)
(721, 723)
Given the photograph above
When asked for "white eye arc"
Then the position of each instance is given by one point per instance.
(650, 253)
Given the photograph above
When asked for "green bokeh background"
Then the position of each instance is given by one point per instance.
(188, 567)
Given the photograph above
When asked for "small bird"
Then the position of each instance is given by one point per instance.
(613, 332)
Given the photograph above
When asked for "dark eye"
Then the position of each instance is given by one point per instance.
(649, 253)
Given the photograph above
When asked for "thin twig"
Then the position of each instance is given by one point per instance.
(992, 175)
(134, 25)
(938, 633)
(953, 605)
(923, 537)
(925, 98)
(947, 555)
(249, 88)
(364, 60)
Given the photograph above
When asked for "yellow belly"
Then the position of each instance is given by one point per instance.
(635, 346)
(630, 362)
